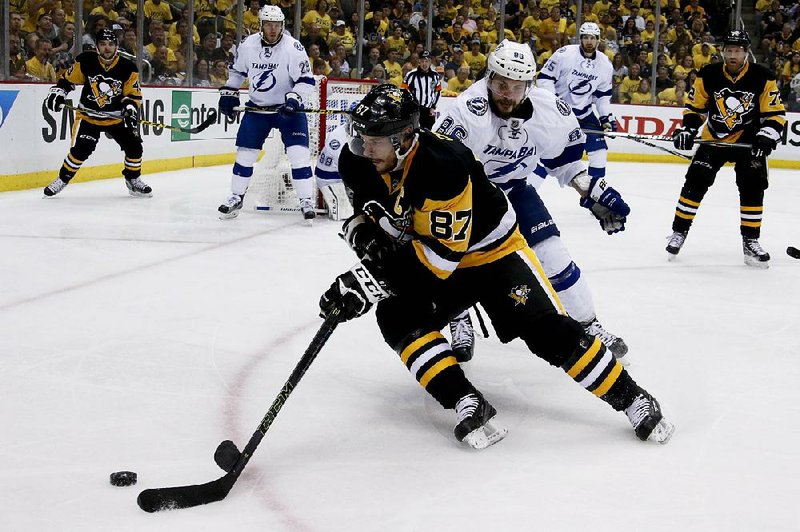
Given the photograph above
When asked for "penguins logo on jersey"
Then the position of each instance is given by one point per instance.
(104, 89)
(513, 131)
(265, 81)
(733, 105)
(520, 294)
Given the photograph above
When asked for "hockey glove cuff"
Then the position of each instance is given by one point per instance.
(610, 221)
(55, 99)
(600, 192)
(365, 237)
(228, 100)
(130, 115)
(353, 293)
(608, 123)
(765, 142)
(292, 104)
(683, 138)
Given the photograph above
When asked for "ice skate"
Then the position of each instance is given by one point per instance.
(645, 415)
(231, 207)
(307, 209)
(613, 343)
(54, 188)
(675, 244)
(138, 188)
(463, 337)
(754, 254)
(474, 425)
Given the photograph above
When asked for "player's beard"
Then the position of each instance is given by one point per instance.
(111, 55)
(504, 106)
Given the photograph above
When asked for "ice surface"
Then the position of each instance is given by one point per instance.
(139, 333)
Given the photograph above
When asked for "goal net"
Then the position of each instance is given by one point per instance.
(271, 186)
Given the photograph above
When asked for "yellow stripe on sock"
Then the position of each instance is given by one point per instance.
(751, 224)
(609, 381)
(587, 357)
(436, 369)
(414, 346)
(752, 209)
(679, 214)
(689, 202)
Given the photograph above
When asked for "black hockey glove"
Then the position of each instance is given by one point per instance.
(365, 237)
(55, 99)
(353, 292)
(765, 142)
(130, 115)
(683, 138)
(291, 106)
(228, 99)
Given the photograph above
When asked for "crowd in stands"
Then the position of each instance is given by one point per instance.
(464, 33)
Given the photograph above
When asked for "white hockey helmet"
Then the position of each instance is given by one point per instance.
(589, 28)
(270, 13)
(512, 60)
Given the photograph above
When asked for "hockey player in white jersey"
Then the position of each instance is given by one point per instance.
(329, 182)
(279, 75)
(582, 77)
(521, 134)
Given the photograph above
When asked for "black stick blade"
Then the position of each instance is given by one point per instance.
(159, 499)
(793, 252)
(210, 119)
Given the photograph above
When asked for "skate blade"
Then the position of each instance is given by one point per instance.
(483, 437)
(140, 194)
(671, 257)
(662, 432)
(228, 215)
(756, 263)
(623, 359)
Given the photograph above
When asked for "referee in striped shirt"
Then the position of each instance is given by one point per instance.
(426, 86)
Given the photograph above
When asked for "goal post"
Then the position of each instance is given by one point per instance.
(271, 187)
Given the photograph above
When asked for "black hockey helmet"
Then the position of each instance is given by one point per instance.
(736, 38)
(106, 35)
(386, 110)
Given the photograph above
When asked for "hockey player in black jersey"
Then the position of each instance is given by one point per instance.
(740, 103)
(435, 236)
(109, 103)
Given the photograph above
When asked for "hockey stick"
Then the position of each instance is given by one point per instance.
(210, 119)
(641, 139)
(154, 500)
(667, 138)
(793, 252)
(273, 110)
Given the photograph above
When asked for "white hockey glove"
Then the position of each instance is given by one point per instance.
(353, 293)
(55, 99)
(337, 201)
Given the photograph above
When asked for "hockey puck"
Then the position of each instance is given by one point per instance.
(793, 252)
(123, 478)
(226, 455)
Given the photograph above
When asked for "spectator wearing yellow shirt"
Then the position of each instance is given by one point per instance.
(642, 94)
(630, 83)
(158, 39)
(395, 41)
(320, 17)
(682, 71)
(177, 32)
(393, 68)
(449, 10)
(341, 34)
(251, 22)
(460, 82)
(533, 20)
(649, 31)
(474, 58)
(694, 7)
(601, 7)
(704, 57)
(552, 29)
(375, 22)
(678, 32)
(106, 8)
(39, 66)
(157, 10)
(791, 68)
(486, 36)
(674, 96)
